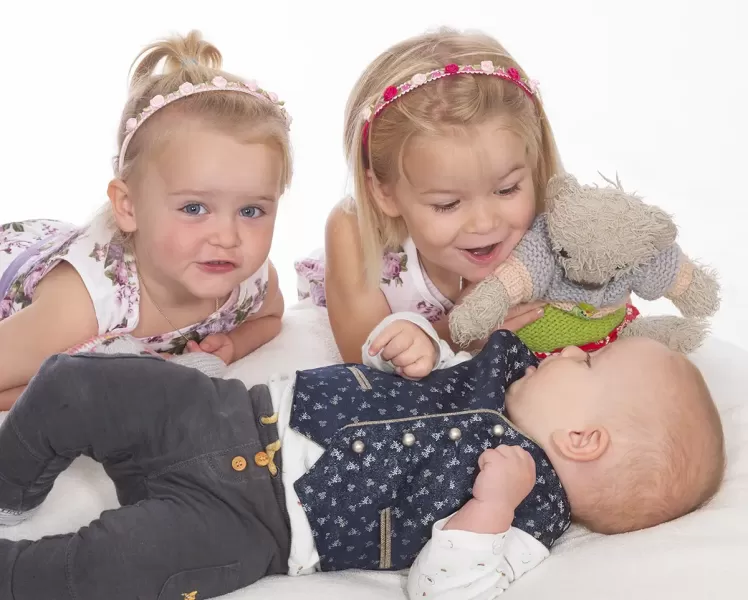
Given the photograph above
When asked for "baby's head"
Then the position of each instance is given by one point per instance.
(631, 430)
(456, 161)
(199, 173)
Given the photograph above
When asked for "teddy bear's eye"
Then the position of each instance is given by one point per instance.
(563, 253)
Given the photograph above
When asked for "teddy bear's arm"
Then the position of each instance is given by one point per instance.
(517, 280)
(654, 279)
(532, 263)
(693, 289)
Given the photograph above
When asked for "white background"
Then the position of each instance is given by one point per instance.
(654, 90)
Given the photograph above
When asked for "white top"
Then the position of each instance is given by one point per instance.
(454, 564)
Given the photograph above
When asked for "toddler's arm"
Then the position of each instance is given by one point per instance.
(60, 316)
(262, 326)
(354, 307)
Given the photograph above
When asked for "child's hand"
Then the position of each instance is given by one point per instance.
(507, 475)
(219, 344)
(407, 347)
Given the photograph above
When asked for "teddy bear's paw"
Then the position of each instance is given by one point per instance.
(701, 299)
(480, 312)
(678, 334)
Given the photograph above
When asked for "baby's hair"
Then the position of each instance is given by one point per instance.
(160, 69)
(446, 105)
(675, 465)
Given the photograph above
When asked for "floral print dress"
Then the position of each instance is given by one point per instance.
(403, 282)
(31, 249)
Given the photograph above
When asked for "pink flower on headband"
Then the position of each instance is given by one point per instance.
(365, 135)
(487, 66)
(389, 93)
(158, 101)
(131, 124)
(513, 73)
(273, 97)
(418, 79)
(186, 88)
(252, 85)
(451, 68)
(219, 82)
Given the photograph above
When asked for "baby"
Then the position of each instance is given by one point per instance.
(467, 476)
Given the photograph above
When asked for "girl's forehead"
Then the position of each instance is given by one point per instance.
(438, 161)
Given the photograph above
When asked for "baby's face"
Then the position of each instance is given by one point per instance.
(568, 390)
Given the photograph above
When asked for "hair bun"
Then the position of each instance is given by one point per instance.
(188, 53)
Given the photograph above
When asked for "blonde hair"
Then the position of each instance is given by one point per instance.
(449, 103)
(192, 59)
(674, 465)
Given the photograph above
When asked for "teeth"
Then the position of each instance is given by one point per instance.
(482, 251)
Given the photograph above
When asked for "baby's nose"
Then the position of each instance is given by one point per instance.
(574, 352)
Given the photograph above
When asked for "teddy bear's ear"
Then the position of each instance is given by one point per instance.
(563, 183)
(663, 231)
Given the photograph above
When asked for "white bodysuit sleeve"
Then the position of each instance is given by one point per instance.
(445, 358)
(462, 565)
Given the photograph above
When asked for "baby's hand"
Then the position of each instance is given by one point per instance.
(218, 344)
(407, 347)
(507, 475)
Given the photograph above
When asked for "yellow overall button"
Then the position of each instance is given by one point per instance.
(262, 459)
(239, 463)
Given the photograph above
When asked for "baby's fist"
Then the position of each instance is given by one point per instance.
(507, 475)
(410, 350)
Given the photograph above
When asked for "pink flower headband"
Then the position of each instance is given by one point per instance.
(218, 83)
(392, 93)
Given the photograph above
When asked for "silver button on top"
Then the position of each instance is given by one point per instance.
(498, 430)
(409, 439)
(455, 434)
(358, 446)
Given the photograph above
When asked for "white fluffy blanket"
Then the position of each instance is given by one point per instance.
(697, 557)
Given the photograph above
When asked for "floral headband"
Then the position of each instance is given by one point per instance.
(217, 84)
(392, 93)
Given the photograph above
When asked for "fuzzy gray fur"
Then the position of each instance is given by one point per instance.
(677, 333)
(596, 246)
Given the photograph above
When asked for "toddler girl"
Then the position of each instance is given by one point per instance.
(179, 257)
(450, 149)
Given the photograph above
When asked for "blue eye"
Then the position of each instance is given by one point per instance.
(251, 212)
(193, 209)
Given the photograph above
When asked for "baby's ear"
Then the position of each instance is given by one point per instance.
(581, 445)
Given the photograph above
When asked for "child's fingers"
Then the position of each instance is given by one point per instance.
(505, 451)
(518, 322)
(209, 345)
(384, 338)
(193, 346)
(396, 346)
(410, 355)
(487, 456)
(522, 309)
(420, 368)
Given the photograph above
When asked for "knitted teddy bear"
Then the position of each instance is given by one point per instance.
(584, 256)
